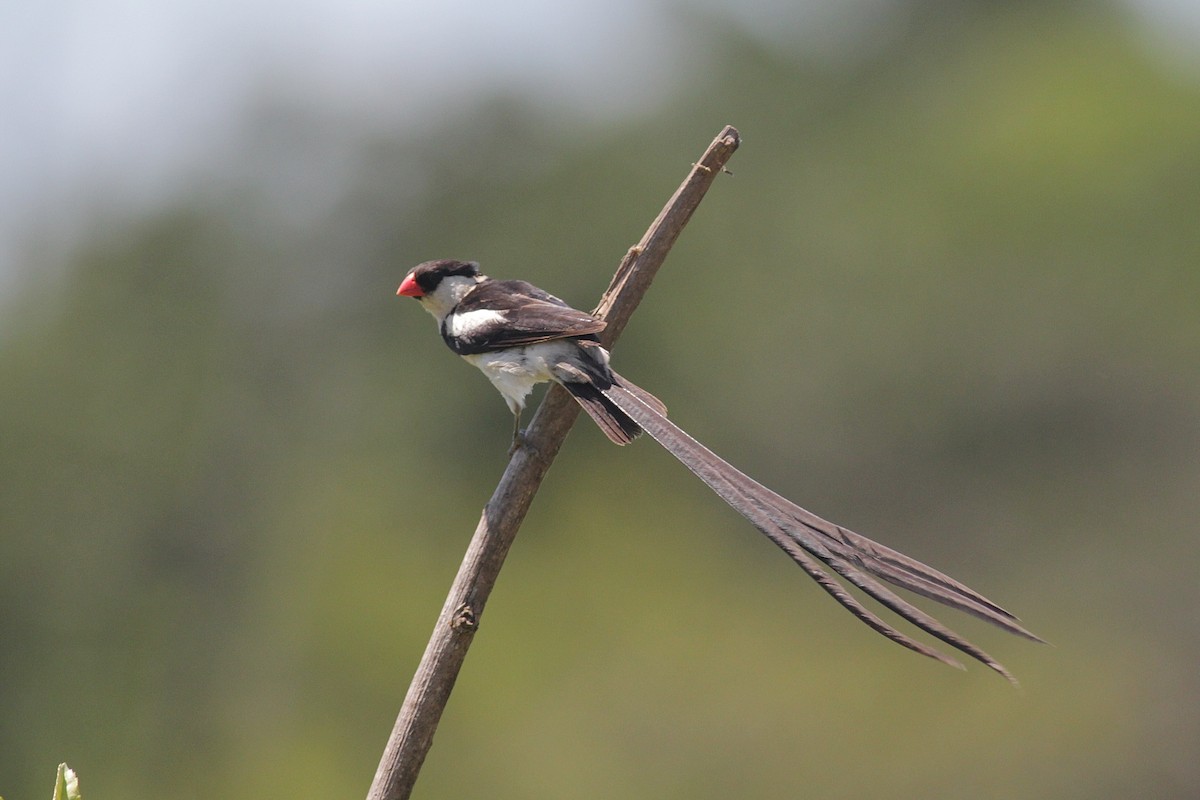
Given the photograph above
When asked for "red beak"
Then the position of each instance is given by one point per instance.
(409, 288)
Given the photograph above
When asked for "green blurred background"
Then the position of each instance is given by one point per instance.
(237, 473)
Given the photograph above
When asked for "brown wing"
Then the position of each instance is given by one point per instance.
(520, 314)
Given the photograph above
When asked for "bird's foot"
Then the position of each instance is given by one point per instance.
(518, 441)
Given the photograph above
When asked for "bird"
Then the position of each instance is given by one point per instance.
(519, 336)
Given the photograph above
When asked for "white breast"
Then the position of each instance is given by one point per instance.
(515, 371)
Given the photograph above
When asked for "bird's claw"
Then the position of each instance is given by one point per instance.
(518, 441)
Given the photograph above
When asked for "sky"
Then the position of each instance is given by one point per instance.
(132, 93)
(113, 103)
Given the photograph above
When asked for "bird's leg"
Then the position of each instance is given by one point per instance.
(518, 436)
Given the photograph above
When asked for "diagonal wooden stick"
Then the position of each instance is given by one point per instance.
(502, 516)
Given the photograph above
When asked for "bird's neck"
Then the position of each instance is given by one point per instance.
(448, 294)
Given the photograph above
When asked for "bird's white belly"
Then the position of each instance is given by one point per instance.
(514, 372)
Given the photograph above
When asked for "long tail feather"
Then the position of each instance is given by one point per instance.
(805, 536)
(618, 426)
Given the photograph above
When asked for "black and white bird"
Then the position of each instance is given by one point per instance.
(520, 336)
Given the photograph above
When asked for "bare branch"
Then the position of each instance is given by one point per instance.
(502, 516)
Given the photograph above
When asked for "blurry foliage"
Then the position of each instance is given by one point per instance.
(948, 299)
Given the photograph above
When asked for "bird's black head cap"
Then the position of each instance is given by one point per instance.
(424, 278)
